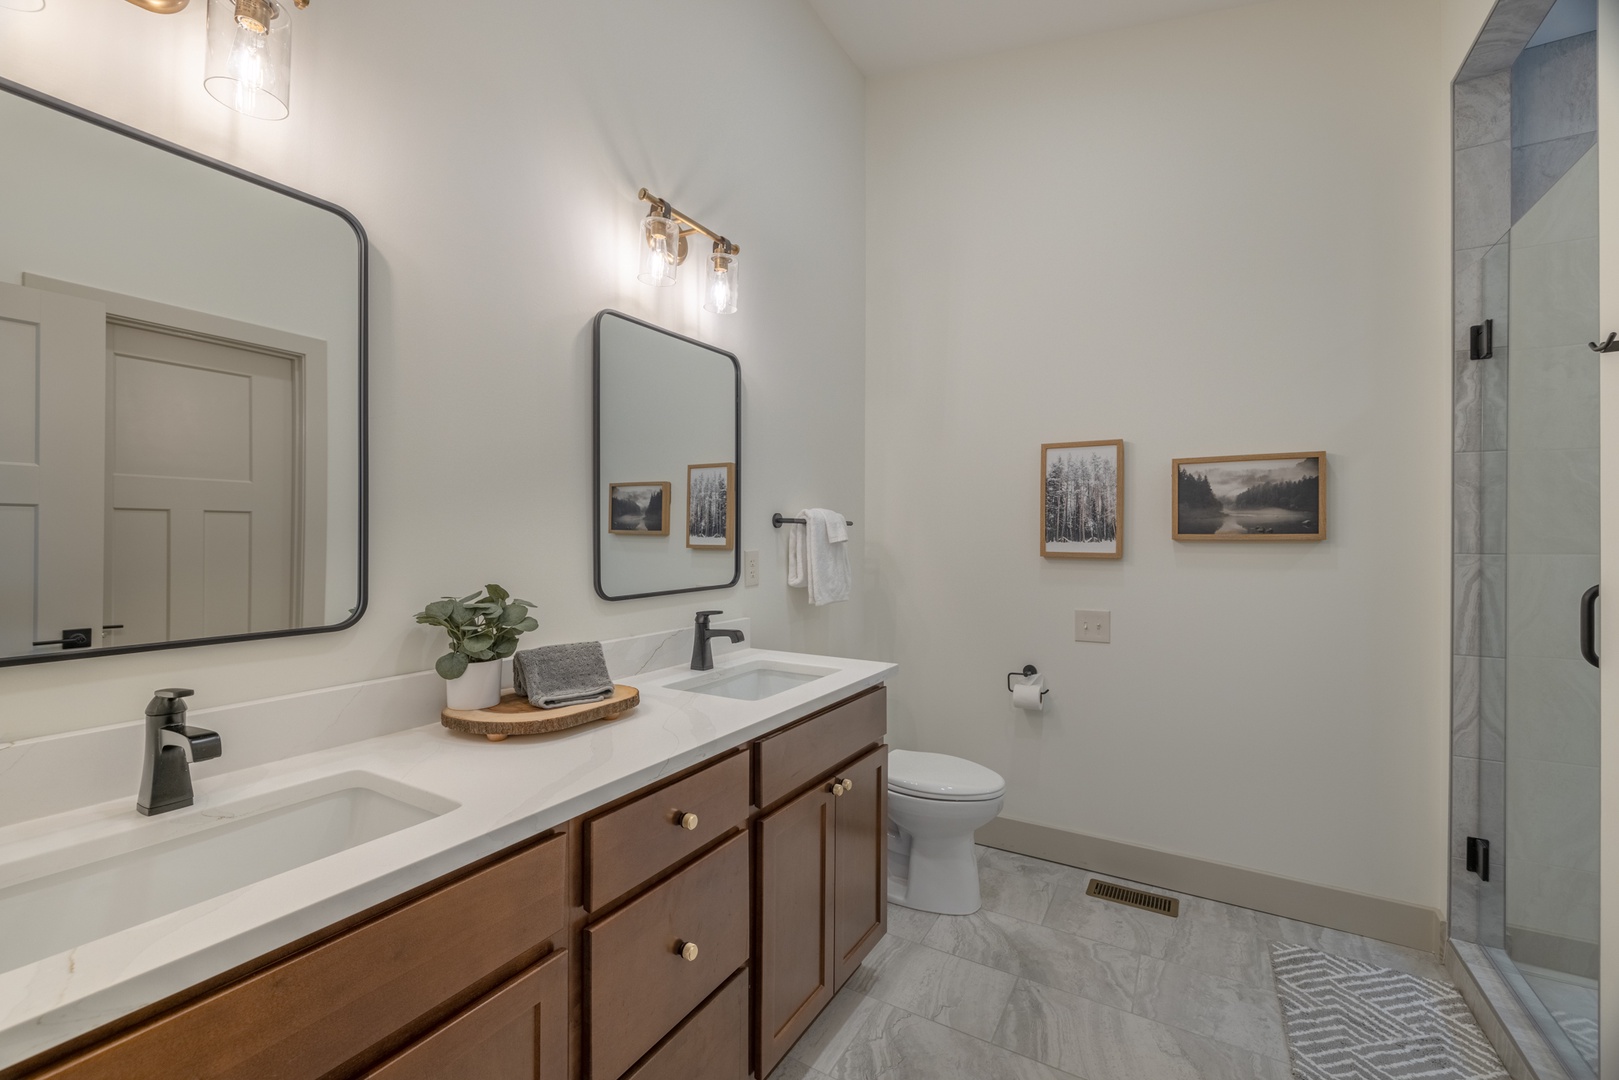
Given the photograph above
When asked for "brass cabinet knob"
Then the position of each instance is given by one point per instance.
(688, 822)
(838, 789)
(848, 784)
(688, 951)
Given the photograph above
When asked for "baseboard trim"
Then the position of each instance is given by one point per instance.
(1411, 925)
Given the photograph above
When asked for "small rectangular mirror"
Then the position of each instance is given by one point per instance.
(182, 395)
(668, 462)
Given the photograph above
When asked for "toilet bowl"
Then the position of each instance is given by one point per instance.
(935, 804)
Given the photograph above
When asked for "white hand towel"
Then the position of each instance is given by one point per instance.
(825, 557)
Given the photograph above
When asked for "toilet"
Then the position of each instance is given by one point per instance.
(935, 804)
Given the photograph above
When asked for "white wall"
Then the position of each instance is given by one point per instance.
(1226, 234)
(493, 155)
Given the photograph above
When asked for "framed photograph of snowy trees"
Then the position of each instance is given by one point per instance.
(1082, 500)
(711, 506)
(1251, 497)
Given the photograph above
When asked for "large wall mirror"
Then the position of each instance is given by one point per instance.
(668, 443)
(182, 395)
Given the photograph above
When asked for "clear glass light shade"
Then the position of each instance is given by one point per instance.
(719, 296)
(660, 250)
(250, 57)
(23, 5)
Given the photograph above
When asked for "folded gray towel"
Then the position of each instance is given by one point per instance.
(556, 675)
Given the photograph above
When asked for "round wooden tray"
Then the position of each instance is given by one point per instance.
(515, 716)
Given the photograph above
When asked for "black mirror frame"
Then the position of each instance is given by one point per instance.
(596, 456)
(363, 357)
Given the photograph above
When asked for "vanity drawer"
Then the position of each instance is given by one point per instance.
(799, 755)
(712, 1043)
(641, 839)
(518, 1032)
(347, 998)
(639, 986)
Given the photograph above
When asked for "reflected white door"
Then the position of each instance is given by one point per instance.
(52, 467)
(201, 524)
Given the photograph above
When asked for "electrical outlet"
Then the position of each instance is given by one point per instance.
(750, 568)
(1095, 626)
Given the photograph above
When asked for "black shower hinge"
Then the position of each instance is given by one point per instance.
(1478, 857)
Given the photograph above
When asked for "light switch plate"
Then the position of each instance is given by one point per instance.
(750, 568)
(1094, 626)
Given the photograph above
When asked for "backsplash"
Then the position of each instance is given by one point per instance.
(55, 773)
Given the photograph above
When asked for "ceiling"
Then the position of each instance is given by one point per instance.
(885, 36)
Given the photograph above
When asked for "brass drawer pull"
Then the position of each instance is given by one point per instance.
(688, 951)
(687, 822)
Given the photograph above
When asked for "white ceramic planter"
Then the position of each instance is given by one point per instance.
(477, 688)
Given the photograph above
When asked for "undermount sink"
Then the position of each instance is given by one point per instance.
(753, 681)
(125, 873)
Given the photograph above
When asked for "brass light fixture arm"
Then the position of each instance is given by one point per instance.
(691, 225)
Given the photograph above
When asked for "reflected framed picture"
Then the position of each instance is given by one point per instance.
(640, 509)
(1251, 497)
(1082, 500)
(711, 506)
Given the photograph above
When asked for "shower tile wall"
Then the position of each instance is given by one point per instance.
(1483, 164)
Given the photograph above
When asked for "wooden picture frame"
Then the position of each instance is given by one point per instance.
(1082, 500)
(711, 509)
(1235, 498)
(630, 497)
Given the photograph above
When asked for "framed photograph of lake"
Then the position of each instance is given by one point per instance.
(711, 506)
(1251, 497)
(1082, 500)
(639, 509)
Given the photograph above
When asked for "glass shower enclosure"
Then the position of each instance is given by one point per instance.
(1526, 898)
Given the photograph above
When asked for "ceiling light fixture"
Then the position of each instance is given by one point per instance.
(663, 249)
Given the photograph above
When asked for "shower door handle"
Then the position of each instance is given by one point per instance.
(1588, 626)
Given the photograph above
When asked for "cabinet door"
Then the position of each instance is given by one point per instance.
(860, 875)
(519, 1031)
(794, 929)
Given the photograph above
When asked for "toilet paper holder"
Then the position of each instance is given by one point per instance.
(1029, 671)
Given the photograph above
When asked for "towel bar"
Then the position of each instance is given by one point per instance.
(778, 521)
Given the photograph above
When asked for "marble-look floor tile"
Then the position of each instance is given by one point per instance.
(908, 923)
(860, 1038)
(1224, 941)
(1368, 950)
(1233, 1012)
(1078, 965)
(1088, 1039)
(944, 988)
(1010, 892)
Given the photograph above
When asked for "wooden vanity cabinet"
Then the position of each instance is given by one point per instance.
(822, 883)
(687, 930)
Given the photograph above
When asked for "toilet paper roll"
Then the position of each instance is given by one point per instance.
(1026, 694)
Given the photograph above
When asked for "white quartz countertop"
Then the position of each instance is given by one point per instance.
(503, 793)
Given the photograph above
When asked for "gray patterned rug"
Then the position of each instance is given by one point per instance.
(1347, 1020)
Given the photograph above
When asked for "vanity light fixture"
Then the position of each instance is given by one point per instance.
(663, 249)
(249, 65)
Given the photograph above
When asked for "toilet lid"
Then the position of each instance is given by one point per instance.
(940, 776)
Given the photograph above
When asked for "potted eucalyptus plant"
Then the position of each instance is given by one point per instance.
(483, 630)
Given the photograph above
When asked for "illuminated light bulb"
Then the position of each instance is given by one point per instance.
(720, 295)
(660, 250)
(249, 65)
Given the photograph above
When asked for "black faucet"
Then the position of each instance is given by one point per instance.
(170, 748)
(702, 649)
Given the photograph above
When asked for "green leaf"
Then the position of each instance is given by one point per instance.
(513, 614)
(529, 625)
(440, 609)
(484, 657)
(459, 612)
(505, 647)
(496, 593)
(451, 666)
(477, 643)
(470, 597)
(526, 603)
